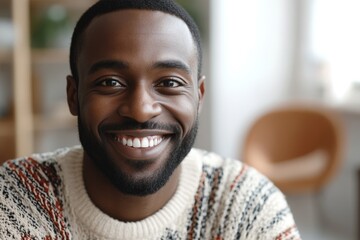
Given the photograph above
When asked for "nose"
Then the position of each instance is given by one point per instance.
(140, 105)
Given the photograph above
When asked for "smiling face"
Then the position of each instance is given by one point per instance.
(138, 97)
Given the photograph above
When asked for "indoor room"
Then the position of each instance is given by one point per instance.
(293, 63)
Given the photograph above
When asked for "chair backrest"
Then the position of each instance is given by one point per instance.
(299, 147)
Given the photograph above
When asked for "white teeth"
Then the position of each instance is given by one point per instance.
(136, 143)
(144, 142)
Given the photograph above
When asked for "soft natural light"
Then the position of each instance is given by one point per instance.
(335, 44)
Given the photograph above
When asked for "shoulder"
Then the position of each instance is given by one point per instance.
(39, 172)
(31, 199)
(38, 168)
(247, 203)
(229, 172)
(30, 175)
(235, 175)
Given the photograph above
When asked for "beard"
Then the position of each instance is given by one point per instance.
(126, 183)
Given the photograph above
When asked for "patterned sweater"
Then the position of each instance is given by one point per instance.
(43, 197)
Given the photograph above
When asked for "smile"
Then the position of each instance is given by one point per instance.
(139, 142)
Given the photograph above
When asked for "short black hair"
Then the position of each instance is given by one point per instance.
(106, 6)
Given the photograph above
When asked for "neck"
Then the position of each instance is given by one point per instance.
(123, 207)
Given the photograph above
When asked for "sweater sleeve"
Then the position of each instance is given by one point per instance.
(269, 216)
(29, 203)
(256, 209)
(274, 220)
(17, 220)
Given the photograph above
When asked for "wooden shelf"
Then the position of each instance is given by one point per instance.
(5, 4)
(18, 132)
(71, 4)
(6, 56)
(43, 123)
(6, 127)
(44, 56)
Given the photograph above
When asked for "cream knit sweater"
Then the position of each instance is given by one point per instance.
(43, 197)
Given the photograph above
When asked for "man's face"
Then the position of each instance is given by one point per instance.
(138, 97)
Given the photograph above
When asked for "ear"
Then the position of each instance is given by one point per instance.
(201, 92)
(72, 96)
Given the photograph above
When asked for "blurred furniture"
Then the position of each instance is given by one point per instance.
(35, 63)
(16, 128)
(298, 147)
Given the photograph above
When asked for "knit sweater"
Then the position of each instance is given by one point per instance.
(44, 197)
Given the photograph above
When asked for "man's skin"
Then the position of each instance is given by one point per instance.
(153, 75)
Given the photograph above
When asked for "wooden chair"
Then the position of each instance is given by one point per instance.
(299, 147)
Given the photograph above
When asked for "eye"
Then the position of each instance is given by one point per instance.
(110, 82)
(170, 83)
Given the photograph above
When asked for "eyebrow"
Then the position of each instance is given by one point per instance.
(118, 64)
(108, 64)
(173, 64)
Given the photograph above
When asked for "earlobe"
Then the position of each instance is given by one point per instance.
(72, 96)
(201, 92)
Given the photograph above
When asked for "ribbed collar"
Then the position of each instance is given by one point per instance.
(104, 226)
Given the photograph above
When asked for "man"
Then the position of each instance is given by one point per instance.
(136, 88)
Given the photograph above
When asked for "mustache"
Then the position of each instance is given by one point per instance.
(134, 125)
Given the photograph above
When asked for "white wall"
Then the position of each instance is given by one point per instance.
(250, 65)
(259, 58)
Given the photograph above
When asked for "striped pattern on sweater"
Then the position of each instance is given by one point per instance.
(43, 197)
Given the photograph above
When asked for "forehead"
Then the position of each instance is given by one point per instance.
(137, 34)
(139, 21)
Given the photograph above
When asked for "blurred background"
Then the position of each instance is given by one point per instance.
(258, 55)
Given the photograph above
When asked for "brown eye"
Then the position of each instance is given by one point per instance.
(110, 82)
(170, 83)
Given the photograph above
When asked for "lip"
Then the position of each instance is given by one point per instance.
(141, 132)
(131, 153)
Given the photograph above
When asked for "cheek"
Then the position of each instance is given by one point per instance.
(94, 111)
(184, 110)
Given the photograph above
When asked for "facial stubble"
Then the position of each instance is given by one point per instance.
(123, 181)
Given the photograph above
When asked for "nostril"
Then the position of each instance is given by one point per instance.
(140, 111)
(140, 103)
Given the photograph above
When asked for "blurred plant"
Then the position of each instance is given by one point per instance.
(193, 10)
(52, 28)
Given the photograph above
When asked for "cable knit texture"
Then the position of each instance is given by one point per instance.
(43, 197)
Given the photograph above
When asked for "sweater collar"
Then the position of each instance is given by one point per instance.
(88, 216)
